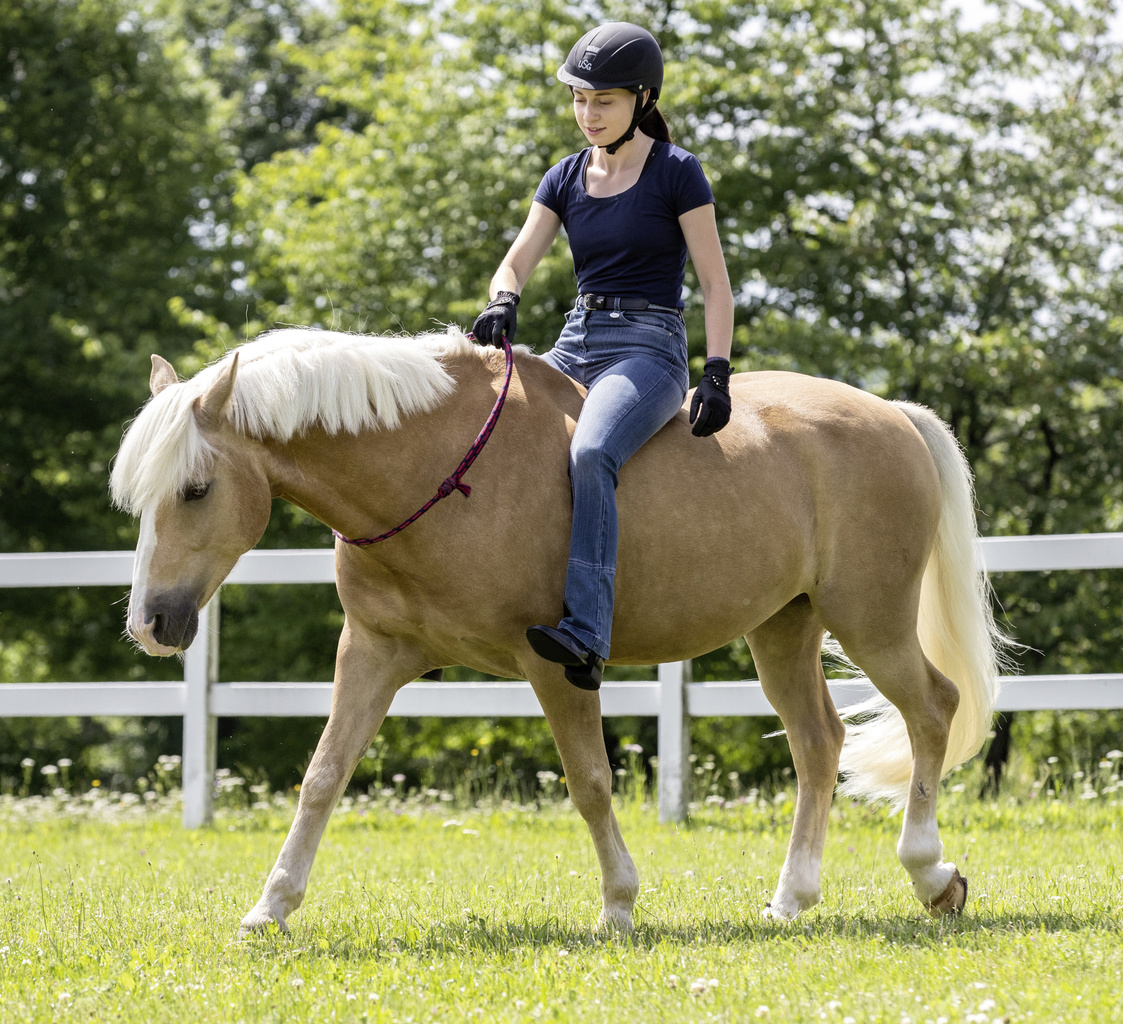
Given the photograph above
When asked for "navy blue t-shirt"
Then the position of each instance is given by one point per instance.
(629, 244)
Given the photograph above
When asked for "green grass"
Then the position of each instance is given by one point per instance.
(419, 911)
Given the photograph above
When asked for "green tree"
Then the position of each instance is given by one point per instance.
(933, 214)
(117, 155)
(104, 158)
(928, 212)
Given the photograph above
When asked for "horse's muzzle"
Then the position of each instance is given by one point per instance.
(169, 625)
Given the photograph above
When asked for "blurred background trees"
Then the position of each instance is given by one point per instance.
(923, 207)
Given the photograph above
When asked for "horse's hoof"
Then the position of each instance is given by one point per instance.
(616, 923)
(258, 923)
(773, 912)
(952, 900)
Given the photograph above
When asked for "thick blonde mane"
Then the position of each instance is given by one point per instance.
(288, 380)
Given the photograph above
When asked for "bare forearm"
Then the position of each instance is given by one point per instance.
(719, 321)
(504, 280)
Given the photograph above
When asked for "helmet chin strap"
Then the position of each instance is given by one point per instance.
(640, 113)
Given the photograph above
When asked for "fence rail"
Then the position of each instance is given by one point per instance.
(200, 699)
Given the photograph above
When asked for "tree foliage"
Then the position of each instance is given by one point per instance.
(926, 210)
(117, 162)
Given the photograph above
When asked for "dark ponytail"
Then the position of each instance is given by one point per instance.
(655, 126)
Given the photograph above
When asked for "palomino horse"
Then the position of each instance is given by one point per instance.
(818, 507)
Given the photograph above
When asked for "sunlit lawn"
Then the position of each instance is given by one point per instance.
(420, 911)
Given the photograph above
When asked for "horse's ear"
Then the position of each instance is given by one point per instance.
(210, 407)
(163, 374)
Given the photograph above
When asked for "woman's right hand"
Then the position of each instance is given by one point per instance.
(497, 320)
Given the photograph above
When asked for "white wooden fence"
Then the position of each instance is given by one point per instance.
(672, 697)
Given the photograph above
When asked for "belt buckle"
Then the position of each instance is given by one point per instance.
(598, 301)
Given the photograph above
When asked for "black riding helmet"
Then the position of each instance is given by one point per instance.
(618, 55)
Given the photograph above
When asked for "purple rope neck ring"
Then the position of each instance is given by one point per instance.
(453, 482)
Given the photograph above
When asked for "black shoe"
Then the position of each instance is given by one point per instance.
(587, 676)
(583, 668)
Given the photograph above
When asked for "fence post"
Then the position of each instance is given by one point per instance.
(200, 670)
(674, 741)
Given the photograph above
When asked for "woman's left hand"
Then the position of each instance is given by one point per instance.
(711, 406)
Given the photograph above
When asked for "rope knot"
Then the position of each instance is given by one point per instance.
(452, 484)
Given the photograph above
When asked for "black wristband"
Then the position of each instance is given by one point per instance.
(504, 299)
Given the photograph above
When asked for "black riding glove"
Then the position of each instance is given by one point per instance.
(497, 320)
(711, 405)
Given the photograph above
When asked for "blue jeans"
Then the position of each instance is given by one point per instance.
(633, 364)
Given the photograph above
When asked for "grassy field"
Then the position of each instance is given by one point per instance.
(419, 911)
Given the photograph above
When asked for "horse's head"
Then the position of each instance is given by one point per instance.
(195, 464)
(204, 503)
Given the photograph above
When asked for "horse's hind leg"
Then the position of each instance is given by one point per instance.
(574, 717)
(787, 653)
(367, 675)
(927, 701)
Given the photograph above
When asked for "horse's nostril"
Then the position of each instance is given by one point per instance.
(176, 623)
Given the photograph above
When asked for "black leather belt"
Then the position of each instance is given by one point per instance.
(589, 301)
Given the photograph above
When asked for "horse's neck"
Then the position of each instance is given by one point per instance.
(357, 483)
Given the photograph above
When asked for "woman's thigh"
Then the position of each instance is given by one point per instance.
(625, 406)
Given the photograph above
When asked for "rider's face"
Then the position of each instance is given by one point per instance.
(603, 114)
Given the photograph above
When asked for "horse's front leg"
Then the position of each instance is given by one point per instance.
(574, 717)
(368, 673)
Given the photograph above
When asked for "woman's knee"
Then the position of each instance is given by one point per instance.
(590, 459)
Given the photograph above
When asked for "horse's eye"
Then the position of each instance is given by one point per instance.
(196, 491)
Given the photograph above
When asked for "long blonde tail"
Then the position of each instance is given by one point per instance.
(957, 633)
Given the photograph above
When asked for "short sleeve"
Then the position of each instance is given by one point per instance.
(548, 191)
(691, 187)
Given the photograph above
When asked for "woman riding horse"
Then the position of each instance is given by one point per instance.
(633, 205)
